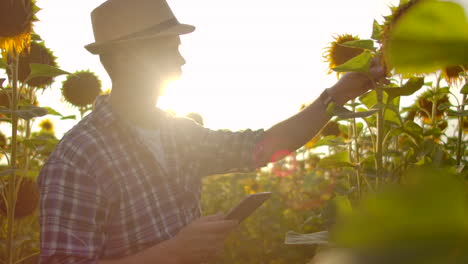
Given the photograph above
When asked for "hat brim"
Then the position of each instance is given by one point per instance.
(179, 29)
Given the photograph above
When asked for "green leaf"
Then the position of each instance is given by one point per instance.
(3, 64)
(369, 99)
(410, 87)
(343, 113)
(413, 128)
(27, 112)
(338, 160)
(51, 111)
(68, 117)
(458, 113)
(376, 31)
(464, 90)
(367, 44)
(329, 141)
(350, 114)
(44, 70)
(360, 63)
(430, 36)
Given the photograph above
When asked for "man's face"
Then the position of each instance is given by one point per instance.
(160, 58)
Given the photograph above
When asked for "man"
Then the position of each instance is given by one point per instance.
(123, 186)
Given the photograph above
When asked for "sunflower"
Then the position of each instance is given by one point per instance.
(46, 125)
(336, 54)
(424, 101)
(452, 74)
(81, 88)
(27, 198)
(38, 53)
(16, 24)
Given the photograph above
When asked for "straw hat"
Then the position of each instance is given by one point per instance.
(119, 21)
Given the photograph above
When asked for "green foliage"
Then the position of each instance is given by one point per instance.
(360, 63)
(430, 36)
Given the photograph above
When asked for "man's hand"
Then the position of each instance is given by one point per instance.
(353, 84)
(202, 240)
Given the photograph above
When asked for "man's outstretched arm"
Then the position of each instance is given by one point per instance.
(296, 131)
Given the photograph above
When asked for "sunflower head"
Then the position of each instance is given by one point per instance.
(81, 88)
(16, 24)
(27, 198)
(452, 74)
(336, 54)
(46, 125)
(38, 53)
(424, 101)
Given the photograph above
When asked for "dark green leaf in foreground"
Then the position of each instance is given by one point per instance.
(360, 63)
(423, 221)
(430, 36)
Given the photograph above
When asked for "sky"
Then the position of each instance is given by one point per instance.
(250, 64)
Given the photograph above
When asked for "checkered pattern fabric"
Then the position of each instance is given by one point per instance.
(103, 195)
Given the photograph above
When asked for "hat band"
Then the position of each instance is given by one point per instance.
(152, 30)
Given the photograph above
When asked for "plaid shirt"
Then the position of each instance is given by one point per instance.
(103, 194)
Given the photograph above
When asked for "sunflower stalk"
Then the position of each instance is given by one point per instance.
(460, 148)
(380, 136)
(434, 102)
(356, 151)
(12, 182)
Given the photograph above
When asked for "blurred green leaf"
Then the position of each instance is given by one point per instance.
(44, 70)
(424, 221)
(366, 44)
(376, 31)
(51, 111)
(337, 160)
(68, 117)
(458, 113)
(3, 64)
(410, 87)
(329, 141)
(430, 36)
(27, 112)
(464, 90)
(343, 113)
(360, 63)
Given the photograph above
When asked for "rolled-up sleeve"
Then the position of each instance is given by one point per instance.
(72, 214)
(220, 151)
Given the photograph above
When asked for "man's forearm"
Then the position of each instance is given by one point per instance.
(163, 252)
(297, 130)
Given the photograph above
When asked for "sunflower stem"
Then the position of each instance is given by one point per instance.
(356, 151)
(12, 182)
(434, 102)
(460, 148)
(380, 137)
